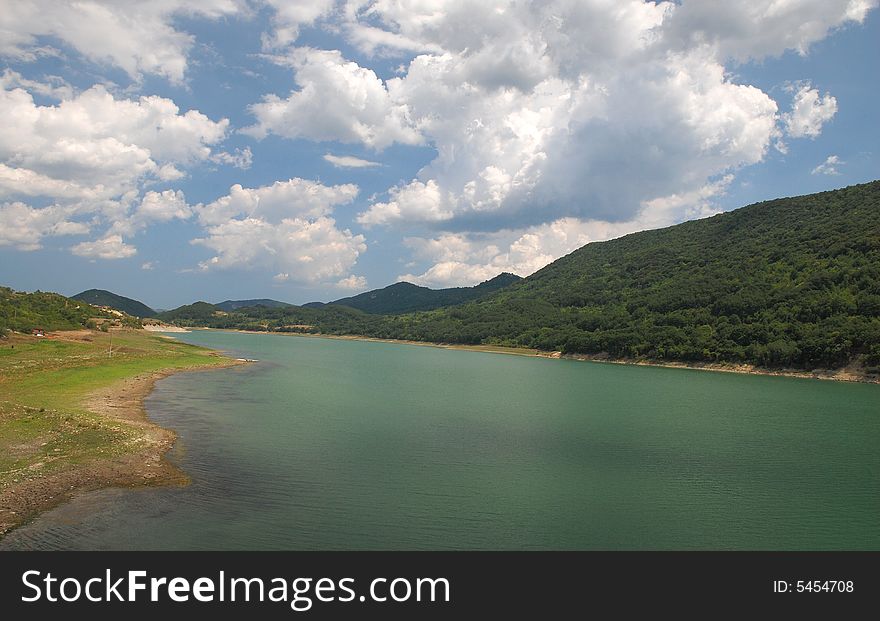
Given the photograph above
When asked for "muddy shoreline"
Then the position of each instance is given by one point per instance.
(146, 466)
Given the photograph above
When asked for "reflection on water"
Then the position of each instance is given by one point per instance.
(329, 444)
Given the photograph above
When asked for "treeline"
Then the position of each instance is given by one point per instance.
(793, 282)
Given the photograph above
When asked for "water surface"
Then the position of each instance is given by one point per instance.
(335, 444)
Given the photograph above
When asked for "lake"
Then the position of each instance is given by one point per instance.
(339, 444)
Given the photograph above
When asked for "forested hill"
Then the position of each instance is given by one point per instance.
(22, 312)
(787, 282)
(100, 297)
(405, 297)
(195, 314)
(231, 305)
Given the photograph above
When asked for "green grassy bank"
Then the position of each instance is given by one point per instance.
(49, 425)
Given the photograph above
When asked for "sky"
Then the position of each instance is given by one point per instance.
(173, 151)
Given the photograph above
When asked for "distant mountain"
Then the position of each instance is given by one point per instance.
(191, 314)
(405, 297)
(231, 305)
(100, 297)
(314, 305)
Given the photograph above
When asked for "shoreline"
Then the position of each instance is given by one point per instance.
(147, 466)
(849, 374)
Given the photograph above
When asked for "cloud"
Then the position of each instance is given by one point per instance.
(560, 109)
(26, 182)
(413, 201)
(240, 158)
(353, 283)
(306, 250)
(138, 37)
(101, 144)
(349, 161)
(809, 112)
(93, 154)
(376, 41)
(745, 30)
(828, 167)
(285, 227)
(337, 100)
(108, 247)
(23, 227)
(149, 265)
(283, 199)
(155, 207)
(162, 207)
(290, 16)
(54, 87)
(594, 147)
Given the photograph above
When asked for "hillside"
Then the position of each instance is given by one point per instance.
(787, 282)
(191, 314)
(404, 297)
(22, 312)
(231, 305)
(100, 297)
(792, 282)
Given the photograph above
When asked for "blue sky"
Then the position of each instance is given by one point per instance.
(308, 151)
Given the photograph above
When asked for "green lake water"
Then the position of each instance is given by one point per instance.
(334, 444)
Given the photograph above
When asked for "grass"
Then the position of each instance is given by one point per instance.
(44, 382)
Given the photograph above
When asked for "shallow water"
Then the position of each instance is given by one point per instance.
(335, 444)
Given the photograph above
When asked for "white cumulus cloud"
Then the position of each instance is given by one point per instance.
(829, 166)
(240, 158)
(753, 29)
(285, 227)
(108, 247)
(93, 154)
(540, 111)
(352, 283)
(337, 100)
(138, 37)
(290, 16)
(283, 199)
(23, 227)
(53, 87)
(101, 144)
(809, 112)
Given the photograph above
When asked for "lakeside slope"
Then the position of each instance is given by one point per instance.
(792, 283)
(72, 417)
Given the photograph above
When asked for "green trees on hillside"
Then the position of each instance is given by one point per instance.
(23, 312)
(790, 282)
